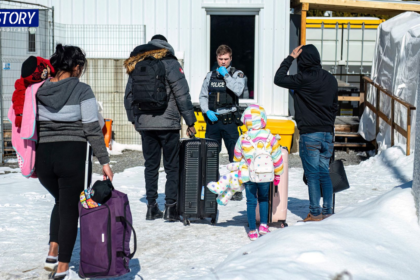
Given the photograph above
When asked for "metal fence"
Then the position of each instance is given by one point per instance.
(16, 45)
(106, 47)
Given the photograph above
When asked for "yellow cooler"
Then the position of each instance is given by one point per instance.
(284, 128)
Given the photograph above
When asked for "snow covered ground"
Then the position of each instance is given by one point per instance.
(373, 238)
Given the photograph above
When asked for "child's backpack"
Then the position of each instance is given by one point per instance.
(149, 88)
(261, 168)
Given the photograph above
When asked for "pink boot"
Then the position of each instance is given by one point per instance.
(253, 235)
(263, 229)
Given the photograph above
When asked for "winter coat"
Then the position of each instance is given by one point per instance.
(176, 87)
(315, 91)
(255, 119)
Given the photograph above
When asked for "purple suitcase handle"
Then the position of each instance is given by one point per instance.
(123, 219)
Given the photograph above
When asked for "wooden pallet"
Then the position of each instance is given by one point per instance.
(361, 143)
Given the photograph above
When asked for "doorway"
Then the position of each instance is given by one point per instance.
(238, 32)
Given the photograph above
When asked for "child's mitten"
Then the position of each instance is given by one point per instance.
(276, 180)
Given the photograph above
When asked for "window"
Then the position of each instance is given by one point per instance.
(31, 42)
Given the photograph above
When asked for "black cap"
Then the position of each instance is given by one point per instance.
(29, 66)
(159, 37)
(103, 191)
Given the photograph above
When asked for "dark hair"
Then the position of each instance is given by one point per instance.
(159, 37)
(223, 49)
(67, 57)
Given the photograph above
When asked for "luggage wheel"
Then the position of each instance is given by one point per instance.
(283, 224)
(215, 219)
(186, 222)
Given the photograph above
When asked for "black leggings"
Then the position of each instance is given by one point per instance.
(60, 167)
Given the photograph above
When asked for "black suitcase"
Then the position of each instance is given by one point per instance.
(199, 165)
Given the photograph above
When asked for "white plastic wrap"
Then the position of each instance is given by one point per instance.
(396, 67)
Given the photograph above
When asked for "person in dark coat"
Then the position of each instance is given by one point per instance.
(160, 130)
(316, 105)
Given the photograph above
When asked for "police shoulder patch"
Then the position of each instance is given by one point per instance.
(241, 75)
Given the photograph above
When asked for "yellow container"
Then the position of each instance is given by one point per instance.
(284, 128)
(200, 125)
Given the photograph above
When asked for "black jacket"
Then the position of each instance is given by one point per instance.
(176, 87)
(316, 91)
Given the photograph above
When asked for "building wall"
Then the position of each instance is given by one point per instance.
(185, 24)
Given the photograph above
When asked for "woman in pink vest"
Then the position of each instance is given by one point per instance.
(67, 118)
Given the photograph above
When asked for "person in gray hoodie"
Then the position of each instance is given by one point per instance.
(159, 130)
(67, 118)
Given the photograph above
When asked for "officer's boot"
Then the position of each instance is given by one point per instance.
(171, 213)
(153, 212)
(237, 196)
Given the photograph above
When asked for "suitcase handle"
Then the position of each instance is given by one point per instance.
(123, 219)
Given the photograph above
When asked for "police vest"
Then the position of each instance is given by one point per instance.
(220, 96)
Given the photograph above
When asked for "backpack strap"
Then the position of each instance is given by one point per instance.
(247, 137)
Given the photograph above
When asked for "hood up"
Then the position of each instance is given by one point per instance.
(309, 58)
(156, 48)
(55, 95)
(254, 117)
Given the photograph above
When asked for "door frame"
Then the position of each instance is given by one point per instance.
(239, 11)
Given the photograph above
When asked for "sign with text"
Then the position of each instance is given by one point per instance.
(19, 18)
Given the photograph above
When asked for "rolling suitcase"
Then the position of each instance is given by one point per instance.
(199, 164)
(277, 203)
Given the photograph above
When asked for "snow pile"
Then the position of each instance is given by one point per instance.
(11, 160)
(172, 251)
(376, 239)
(118, 148)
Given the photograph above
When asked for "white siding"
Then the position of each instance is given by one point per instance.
(184, 23)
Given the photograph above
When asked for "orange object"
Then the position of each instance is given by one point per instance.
(107, 131)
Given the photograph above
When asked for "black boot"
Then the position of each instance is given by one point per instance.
(153, 212)
(171, 213)
(237, 196)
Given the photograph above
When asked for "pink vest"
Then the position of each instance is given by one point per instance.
(24, 138)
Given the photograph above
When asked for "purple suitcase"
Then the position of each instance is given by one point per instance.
(105, 233)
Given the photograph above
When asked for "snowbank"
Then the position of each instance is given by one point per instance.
(376, 239)
(172, 251)
(118, 148)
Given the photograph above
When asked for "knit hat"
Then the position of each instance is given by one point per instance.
(159, 37)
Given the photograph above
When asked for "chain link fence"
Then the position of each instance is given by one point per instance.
(16, 45)
(106, 47)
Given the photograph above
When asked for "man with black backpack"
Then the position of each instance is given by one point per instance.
(219, 102)
(156, 96)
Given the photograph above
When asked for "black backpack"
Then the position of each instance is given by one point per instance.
(148, 85)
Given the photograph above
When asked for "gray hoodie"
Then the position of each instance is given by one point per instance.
(67, 111)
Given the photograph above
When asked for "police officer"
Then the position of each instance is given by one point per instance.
(219, 101)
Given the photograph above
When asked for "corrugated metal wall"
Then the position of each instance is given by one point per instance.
(184, 23)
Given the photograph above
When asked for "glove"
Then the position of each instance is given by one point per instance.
(276, 181)
(222, 70)
(212, 116)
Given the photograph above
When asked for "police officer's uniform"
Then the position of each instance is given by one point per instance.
(221, 94)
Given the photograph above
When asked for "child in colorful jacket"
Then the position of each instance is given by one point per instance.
(255, 119)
